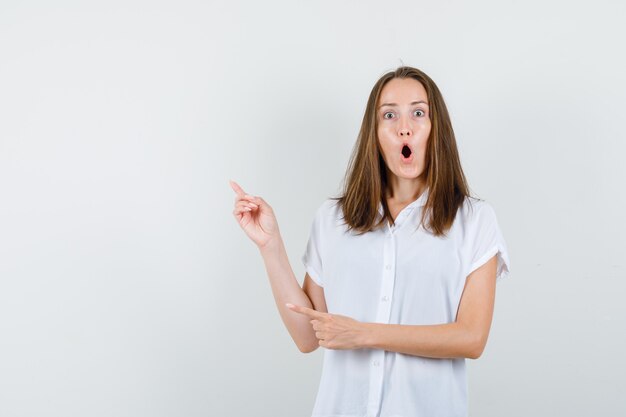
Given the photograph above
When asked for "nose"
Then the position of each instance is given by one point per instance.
(405, 132)
(405, 129)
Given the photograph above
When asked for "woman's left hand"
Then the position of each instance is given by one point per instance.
(333, 330)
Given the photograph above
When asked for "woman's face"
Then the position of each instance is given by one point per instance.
(403, 125)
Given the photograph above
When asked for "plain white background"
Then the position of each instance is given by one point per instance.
(128, 289)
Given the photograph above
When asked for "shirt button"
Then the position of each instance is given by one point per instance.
(376, 363)
(385, 298)
(387, 267)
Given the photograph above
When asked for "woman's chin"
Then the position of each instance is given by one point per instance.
(408, 172)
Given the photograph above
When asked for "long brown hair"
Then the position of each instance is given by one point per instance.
(366, 181)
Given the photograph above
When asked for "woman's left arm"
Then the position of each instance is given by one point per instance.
(466, 337)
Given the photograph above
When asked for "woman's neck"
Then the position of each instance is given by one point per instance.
(405, 191)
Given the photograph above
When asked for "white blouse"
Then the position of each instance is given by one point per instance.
(397, 275)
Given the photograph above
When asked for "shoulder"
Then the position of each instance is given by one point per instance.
(477, 211)
(327, 209)
(329, 217)
(328, 205)
(326, 212)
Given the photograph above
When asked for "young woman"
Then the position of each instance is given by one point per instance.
(401, 269)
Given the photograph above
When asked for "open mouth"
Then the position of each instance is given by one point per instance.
(406, 151)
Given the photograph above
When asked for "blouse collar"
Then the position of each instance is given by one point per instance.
(419, 202)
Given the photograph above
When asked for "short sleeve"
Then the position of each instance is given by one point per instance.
(312, 258)
(488, 241)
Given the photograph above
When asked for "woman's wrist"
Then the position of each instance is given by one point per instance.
(367, 335)
(272, 246)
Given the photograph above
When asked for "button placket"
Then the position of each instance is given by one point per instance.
(376, 382)
(382, 316)
(387, 283)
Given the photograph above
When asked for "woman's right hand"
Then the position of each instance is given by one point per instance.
(255, 217)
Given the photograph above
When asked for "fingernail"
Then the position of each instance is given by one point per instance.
(289, 305)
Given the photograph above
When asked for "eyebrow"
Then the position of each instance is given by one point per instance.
(394, 104)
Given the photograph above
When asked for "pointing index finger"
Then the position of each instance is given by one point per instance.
(305, 310)
(236, 187)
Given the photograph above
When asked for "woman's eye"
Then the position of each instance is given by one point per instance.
(387, 114)
(419, 113)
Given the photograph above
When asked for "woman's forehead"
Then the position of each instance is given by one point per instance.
(402, 91)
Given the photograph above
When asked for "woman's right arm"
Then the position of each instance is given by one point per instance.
(286, 289)
(257, 220)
